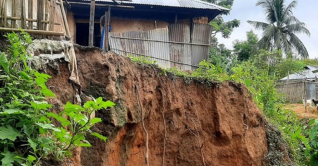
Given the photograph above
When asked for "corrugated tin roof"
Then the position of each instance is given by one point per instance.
(309, 73)
(196, 4)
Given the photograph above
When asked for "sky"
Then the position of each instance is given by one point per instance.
(306, 11)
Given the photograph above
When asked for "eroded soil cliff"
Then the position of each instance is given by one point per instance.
(171, 120)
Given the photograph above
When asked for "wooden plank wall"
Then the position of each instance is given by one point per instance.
(32, 15)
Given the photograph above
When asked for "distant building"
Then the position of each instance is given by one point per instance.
(299, 85)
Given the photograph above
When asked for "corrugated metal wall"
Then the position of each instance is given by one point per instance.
(201, 36)
(293, 90)
(311, 90)
(175, 46)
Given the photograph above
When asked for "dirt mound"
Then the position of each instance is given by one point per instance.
(162, 119)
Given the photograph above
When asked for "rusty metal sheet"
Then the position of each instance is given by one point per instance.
(175, 46)
(180, 52)
(201, 33)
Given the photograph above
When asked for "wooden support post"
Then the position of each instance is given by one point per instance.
(51, 21)
(30, 14)
(53, 14)
(107, 22)
(65, 20)
(13, 14)
(46, 15)
(1, 12)
(5, 13)
(91, 24)
(39, 15)
(23, 15)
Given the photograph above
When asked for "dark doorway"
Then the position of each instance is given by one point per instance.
(82, 34)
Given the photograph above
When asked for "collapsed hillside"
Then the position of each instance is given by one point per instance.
(161, 119)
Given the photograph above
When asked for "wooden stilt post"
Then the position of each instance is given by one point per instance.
(91, 24)
(30, 14)
(5, 13)
(67, 29)
(23, 15)
(13, 14)
(107, 22)
(40, 15)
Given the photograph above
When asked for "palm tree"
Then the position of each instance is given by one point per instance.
(281, 27)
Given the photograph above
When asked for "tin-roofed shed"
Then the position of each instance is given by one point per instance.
(300, 85)
(175, 33)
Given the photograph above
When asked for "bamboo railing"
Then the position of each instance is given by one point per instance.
(41, 17)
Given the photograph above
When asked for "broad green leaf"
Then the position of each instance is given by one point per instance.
(48, 126)
(78, 139)
(47, 92)
(32, 144)
(31, 158)
(99, 100)
(40, 81)
(69, 107)
(4, 62)
(40, 105)
(42, 75)
(99, 136)
(25, 75)
(85, 145)
(8, 158)
(90, 104)
(9, 133)
(95, 120)
(60, 118)
(106, 104)
(12, 111)
(27, 130)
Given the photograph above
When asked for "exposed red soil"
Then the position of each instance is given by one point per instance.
(188, 122)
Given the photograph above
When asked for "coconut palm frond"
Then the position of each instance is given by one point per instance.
(290, 20)
(266, 41)
(296, 28)
(288, 11)
(269, 11)
(259, 25)
(299, 46)
(287, 46)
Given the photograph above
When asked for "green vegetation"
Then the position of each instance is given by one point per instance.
(142, 60)
(27, 131)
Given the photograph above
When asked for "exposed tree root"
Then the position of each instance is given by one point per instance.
(143, 125)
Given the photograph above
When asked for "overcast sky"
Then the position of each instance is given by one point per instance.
(306, 11)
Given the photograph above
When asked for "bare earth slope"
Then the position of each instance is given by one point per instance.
(174, 121)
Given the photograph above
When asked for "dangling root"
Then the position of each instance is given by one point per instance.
(143, 125)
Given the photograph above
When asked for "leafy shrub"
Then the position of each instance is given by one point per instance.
(27, 134)
(142, 60)
(261, 84)
(210, 72)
